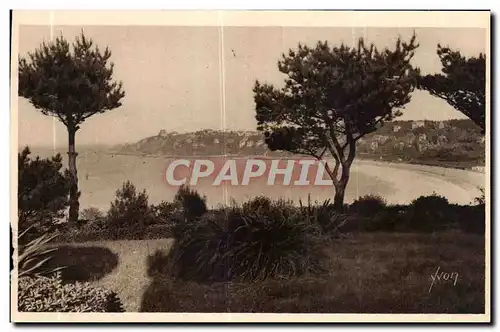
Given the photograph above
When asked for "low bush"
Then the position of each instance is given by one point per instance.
(368, 205)
(130, 209)
(50, 294)
(42, 195)
(92, 219)
(231, 244)
(472, 218)
(392, 219)
(91, 214)
(193, 205)
(165, 213)
(430, 213)
(425, 214)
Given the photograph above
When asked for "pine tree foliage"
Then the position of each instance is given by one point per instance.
(70, 83)
(332, 97)
(461, 84)
(43, 191)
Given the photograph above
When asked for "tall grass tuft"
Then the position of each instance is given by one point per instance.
(34, 255)
(324, 215)
(236, 243)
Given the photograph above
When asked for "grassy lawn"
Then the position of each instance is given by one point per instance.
(120, 266)
(367, 273)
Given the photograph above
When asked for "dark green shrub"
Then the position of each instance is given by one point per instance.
(42, 195)
(130, 209)
(192, 204)
(391, 218)
(164, 213)
(232, 245)
(44, 294)
(92, 219)
(472, 218)
(430, 213)
(368, 205)
(91, 214)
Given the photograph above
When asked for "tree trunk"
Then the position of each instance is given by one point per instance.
(338, 200)
(74, 205)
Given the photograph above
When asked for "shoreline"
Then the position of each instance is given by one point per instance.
(476, 167)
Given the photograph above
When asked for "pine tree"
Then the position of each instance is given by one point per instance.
(42, 192)
(71, 84)
(331, 98)
(462, 83)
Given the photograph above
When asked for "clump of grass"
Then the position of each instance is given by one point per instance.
(325, 216)
(34, 255)
(239, 243)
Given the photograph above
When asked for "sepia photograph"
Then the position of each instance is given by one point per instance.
(239, 166)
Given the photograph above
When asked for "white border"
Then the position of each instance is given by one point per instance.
(238, 18)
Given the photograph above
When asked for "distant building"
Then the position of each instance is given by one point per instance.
(441, 125)
(243, 142)
(479, 169)
(162, 133)
(382, 139)
(417, 124)
(442, 140)
(422, 146)
(410, 138)
(396, 128)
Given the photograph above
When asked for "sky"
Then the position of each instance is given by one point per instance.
(191, 78)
